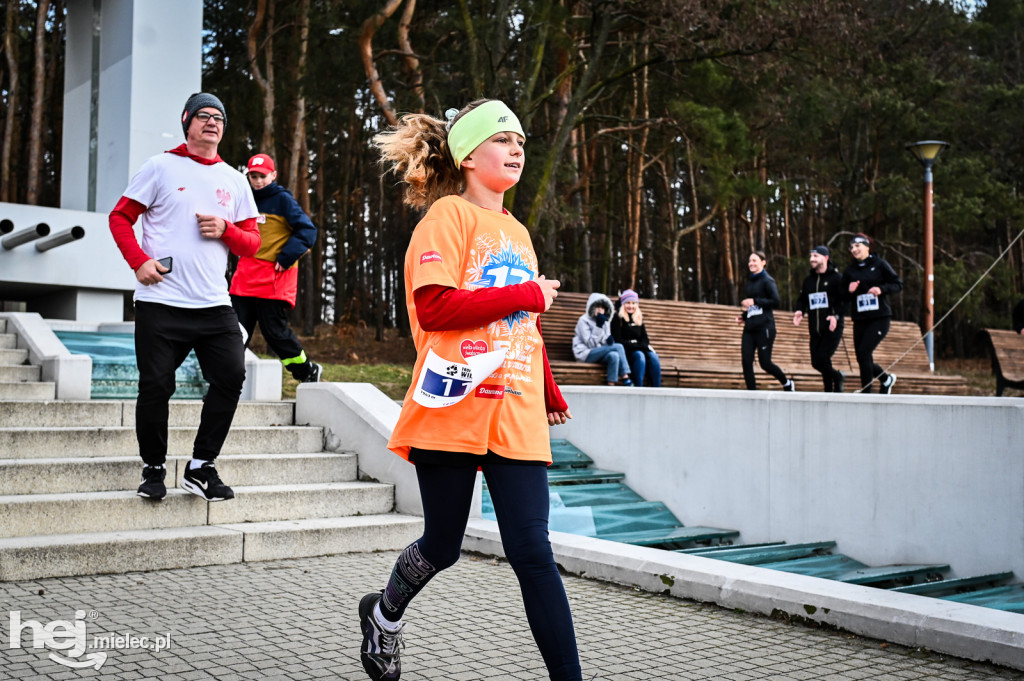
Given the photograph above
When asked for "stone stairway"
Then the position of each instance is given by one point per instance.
(69, 471)
(18, 379)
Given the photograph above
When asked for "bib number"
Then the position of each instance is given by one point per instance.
(818, 300)
(866, 302)
(442, 383)
(753, 311)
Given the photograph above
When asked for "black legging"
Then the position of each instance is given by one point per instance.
(867, 334)
(762, 340)
(823, 346)
(521, 501)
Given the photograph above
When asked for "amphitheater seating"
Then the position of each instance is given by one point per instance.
(1007, 351)
(699, 346)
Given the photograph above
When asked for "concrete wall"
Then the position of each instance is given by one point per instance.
(893, 479)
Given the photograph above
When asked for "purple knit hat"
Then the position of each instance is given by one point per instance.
(628, 295)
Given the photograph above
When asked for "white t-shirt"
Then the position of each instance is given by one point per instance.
(174, 189)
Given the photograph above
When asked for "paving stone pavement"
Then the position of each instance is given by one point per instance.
(293, 620)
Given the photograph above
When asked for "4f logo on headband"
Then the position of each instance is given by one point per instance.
(430, 256)
(503, 119)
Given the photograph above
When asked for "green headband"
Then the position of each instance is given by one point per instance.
(476, 126)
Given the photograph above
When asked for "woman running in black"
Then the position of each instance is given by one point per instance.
(758, 321)
(868, 283)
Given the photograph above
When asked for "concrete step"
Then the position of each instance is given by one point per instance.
(10, 373)
(32, 414)
(13, 356)
(8, 341)
(123, 473)
(27, 391)
(27, 558)
(66, 442)
(41, 514)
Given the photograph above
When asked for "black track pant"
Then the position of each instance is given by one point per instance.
(164, 336)
(762, 340)
(823, 346)
(521, 503)
(272, 316)
(867, 334)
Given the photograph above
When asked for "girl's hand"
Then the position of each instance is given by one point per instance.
(854, 285)
(558, 417)
(549, 288)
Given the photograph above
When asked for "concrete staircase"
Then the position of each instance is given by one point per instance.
(69, 471)
(18, 379)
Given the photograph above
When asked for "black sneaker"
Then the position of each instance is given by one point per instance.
(885, 387)
(315, 371)
(840, 381)
(153, 486)
(380, 649)
(790, 386)
(204, 482)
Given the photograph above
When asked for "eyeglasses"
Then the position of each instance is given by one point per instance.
(204, 117)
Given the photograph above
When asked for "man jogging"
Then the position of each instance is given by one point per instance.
(194, 209)
(821, 302)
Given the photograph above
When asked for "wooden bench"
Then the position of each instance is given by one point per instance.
(1007, 351)
(699, 347)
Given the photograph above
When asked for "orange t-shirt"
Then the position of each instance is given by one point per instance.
(463, 246)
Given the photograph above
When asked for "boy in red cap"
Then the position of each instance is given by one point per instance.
(264, 286)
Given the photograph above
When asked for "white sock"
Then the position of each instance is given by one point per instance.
(195, 463)
(385, 624)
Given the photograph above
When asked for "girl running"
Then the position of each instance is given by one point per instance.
(482, 386)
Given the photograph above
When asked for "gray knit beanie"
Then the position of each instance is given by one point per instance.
(196, 102)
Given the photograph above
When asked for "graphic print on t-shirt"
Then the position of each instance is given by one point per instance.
(505, 263)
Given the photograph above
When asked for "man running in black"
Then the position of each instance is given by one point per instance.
(821, 301)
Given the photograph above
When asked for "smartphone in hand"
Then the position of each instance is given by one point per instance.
(167, 262)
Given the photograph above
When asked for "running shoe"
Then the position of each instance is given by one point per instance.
(790, 386)
(315, 371)
(885, 387)
(204, 482)
(840, 381)
(380, 650)
(153, 486)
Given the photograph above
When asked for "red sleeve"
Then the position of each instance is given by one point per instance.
(242, 239)
(444, 308)
(122, 219)
(553, 400)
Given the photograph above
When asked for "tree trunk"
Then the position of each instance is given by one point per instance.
(370, 27)
(727, 258)
(412, 62)
(264, 17)
(35, 131)
(297, 165)
(7, 190)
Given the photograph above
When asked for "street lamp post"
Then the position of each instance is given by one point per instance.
(927, 152)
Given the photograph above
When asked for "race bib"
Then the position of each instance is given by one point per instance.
(818, 300)
(753, 311)
(867, 302)
(443, 382)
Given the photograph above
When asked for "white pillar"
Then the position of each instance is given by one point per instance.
(124, 91)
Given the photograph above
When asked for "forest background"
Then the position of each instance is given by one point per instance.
(666, 138)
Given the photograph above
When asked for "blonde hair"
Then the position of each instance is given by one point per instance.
(638, 316)
(417, 151)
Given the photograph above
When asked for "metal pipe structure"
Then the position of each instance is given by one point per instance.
(6, 226)
(67, 236)
(24, 236)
